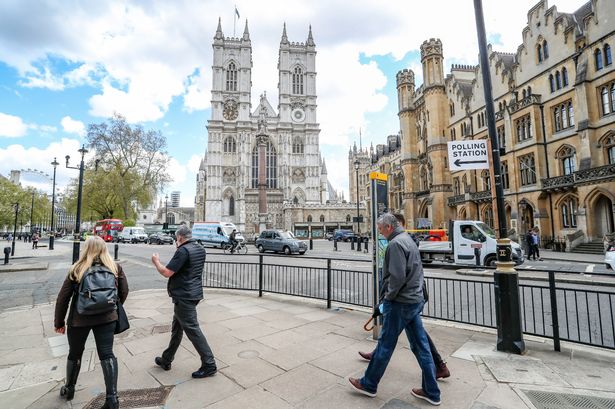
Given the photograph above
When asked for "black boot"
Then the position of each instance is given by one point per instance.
(109, 368)
(72, 373)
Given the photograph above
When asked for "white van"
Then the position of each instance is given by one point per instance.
(214, 234)
(132, 235)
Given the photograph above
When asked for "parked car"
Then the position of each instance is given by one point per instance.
(329, 235)
(159, 238)
(343, 235)
(279, 241)
(132, 235)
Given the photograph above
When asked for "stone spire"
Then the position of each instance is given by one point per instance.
(310, 39)
(246, 33)
(284, 37)
(219, 35)
(324, 167)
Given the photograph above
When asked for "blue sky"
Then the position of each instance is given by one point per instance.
(64, 65)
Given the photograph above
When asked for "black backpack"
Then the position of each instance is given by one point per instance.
(97, 293)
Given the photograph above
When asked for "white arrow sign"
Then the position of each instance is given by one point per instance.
(464, 155)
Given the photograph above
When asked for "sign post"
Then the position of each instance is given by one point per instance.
(464, 155)
(380, 205)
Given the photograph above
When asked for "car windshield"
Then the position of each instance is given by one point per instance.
(228, 230)
(486, 229)
(286, 235)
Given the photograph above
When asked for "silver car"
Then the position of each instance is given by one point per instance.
(280, 241)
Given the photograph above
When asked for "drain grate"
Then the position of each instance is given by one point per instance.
(161, 329)
(135, 398)
(553, 400)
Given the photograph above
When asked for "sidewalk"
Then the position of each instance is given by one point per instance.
(573, 257)
(278, 352)
(27, 259)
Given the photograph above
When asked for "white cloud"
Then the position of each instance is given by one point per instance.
(12, 126)
(194, 163)
(198, 91)
(71, 125)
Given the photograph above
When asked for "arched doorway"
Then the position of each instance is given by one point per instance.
(602, 217)
(526, 211)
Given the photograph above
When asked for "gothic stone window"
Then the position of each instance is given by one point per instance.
(504, 173)
(598, 59)
(322, 218)
(298, 81)
(297, 144)
(231, 77)
(523, 126)
(501, 137)
(566, 157)
(456, 187)
(488, 216)
(271, 160)
(608, 60)
(563, 116)
(607, 97)
(608, 144)
(527, 169)
(309, 219)
(229, 145)
(486, 176)
(568, 210)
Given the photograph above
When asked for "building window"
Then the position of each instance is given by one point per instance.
(297, 145)
(501, 133)
(488, 216)
(608, 143)
(456, 187)
(566, 155)
(563, 116)
(230, 145)
(231, 206)
(564, 77)
(424, 179)
(309, 219)
(322, 218)
(608, 60)
(486, 176)
(569, 212)
(523, 126)
(598, 59)
(558, 80)
(551, 83)
(231, 77)
(606, 103)
(298, 81)
(527, 169)
(613, 97)
(539, 52)
(271, 173)
(504, 174)
(545, 49)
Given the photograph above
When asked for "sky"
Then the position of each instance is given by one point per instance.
(67, 64)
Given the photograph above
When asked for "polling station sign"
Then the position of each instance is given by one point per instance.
(464, 155)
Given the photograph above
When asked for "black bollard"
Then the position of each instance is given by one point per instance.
(477, 255)
(365, 244)
(352, 240)
(359, 240)
(334, 244)
(311, 243)
(116, 249)
(7, 252)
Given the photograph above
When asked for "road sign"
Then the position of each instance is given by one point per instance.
(464, 155)
(356, 219)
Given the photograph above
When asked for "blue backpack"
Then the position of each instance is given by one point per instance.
(97, 293)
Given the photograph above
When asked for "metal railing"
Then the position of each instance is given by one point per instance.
(578, 313)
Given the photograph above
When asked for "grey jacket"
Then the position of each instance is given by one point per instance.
(402, 275)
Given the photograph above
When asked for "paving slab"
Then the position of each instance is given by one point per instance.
(300, 384)
(523, 371)
(252, 398)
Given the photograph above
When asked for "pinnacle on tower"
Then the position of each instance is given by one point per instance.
(284, 37)
(310, 39)
(246, 32)
(219, 35)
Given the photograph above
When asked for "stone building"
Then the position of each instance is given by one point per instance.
(296, 175)
(554, 99)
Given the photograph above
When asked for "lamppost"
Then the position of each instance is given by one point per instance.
(53, 204)
(81, 168)
(356, 171)
(14, 229)
(32, 215)
(166, 212)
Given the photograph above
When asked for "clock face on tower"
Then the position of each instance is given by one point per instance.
(230, 110)
(298, 115)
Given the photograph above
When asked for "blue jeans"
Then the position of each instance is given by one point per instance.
(399, 317)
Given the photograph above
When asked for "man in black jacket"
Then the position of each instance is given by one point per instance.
(185, 287)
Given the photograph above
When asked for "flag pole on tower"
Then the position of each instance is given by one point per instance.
(235, 17)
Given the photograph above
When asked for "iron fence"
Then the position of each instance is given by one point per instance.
(577, 314)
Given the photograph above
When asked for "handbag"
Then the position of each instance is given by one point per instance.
(122, 323)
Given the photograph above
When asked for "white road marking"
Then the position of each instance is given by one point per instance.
(590, 268)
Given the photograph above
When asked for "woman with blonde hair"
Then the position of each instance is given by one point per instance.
(78, 326)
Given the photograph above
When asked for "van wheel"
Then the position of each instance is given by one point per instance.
(490, 261)
(286, 250)
(260, 248)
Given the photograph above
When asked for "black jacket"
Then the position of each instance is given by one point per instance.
(187, 264)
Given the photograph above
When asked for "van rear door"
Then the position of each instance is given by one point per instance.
(467, 238)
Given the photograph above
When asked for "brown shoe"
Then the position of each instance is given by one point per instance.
(442, 371)
(366, 355)
(420, 393)
(356, 385)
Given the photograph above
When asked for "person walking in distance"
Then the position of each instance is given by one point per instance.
(401, 296)
(185, 287)
(78, 326)
(442, 370)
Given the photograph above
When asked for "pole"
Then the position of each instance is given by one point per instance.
(14, 229)
(76, 243)
(32, 214)
(506, 279)
(53, 205)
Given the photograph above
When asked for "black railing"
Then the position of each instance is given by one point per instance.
(553, 310)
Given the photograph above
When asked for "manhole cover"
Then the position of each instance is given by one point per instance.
(554, 400)
(135, 398)
(249, 354)
(161, 329)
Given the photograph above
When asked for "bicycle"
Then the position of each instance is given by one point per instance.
(240, 248)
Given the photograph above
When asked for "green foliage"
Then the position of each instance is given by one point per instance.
(11, 194)
(129, 223)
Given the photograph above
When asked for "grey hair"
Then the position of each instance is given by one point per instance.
(388, 219)
(184, 231)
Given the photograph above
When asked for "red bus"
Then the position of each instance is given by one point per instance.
(108, 229)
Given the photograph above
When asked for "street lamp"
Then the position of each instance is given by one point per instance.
(356, 171)
(14, 229)
(53, 204)
(166, 212)
(81, 168)
(32, 215)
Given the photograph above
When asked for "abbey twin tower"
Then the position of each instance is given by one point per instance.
(296, 176)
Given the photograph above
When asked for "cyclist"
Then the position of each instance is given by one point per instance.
(233, 241)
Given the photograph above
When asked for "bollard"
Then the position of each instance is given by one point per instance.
(7, 252)
(365, 244)
(352, 240)
(311, 243)
(334, 244)
(116, 249)
(359, 240)
(477, 256)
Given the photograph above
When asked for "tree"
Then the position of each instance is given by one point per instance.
(11, 194)
(133, 165)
